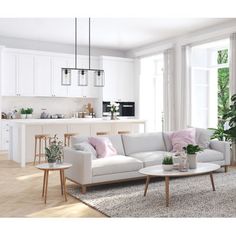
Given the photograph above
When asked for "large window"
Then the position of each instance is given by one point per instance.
(151, 92)
(209, 84)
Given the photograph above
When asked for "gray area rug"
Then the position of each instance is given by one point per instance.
(189, 197)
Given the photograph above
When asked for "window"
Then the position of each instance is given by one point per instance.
(209, 83)
(151, 91)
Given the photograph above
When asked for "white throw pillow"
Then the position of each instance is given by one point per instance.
(203, 137)
(86, 147)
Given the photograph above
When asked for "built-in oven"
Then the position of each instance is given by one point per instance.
(126, 109)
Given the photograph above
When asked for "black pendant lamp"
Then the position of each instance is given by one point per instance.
(83, 74)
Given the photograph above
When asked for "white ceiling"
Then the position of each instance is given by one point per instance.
(113, 33)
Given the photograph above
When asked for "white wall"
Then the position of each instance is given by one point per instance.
(53, 105)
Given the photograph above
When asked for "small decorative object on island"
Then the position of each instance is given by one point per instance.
(23, 113)
(183, 162)
(29, 113)
(167, 163)
(192, 151)
(114, 107)
(54, 152)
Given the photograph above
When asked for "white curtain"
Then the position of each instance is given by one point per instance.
(232, 61)
(169, 98)
(185, 114)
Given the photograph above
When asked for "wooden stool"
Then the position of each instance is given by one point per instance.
(123, 132)
(101, 133)
(67, 138)
(40, 141)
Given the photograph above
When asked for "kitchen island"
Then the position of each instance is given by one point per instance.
(22, 132)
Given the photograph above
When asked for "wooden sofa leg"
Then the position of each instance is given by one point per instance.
(226, 169)
(83, 189)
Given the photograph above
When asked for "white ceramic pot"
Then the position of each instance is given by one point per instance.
(23, 116)
(29, 116)
(192, 161)
(52, 164)
(167, 167)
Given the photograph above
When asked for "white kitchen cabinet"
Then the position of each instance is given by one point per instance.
(79, 129)
(100, 128)
(43, 75)
(5, 135)
(119, 79)
(58, 90)
(25, 80)
(8, 86)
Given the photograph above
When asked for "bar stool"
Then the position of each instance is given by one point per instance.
(123, 132)
(101, 133)
(67, 138)
(40, 141)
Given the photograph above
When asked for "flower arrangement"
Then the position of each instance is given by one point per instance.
(114, 107)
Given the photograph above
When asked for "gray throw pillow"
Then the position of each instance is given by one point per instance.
(86, 147)
(203, 137)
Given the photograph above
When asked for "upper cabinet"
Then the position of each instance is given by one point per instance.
(119, 79)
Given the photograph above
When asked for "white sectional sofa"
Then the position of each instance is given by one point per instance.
(134, 151)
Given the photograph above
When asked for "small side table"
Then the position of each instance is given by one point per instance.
(57, 167)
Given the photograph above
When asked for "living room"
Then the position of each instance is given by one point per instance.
(129, 116)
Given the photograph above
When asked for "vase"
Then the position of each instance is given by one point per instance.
(192, 161)
(52, 164)
(183, 162)
(113, 116)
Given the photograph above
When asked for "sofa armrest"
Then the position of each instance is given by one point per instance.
(81, 170)
(222, 146)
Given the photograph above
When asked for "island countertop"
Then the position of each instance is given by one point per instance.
(73, 121)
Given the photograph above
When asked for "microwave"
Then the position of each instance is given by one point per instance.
(126, 109)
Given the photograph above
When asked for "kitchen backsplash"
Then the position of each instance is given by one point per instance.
(66, 106)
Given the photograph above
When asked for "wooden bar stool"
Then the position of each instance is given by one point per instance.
(67, 138)
(101, 133)
(40, 141)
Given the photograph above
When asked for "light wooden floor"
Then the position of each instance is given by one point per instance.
(21, 189)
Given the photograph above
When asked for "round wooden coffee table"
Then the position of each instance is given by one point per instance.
(57, 167)
(202, 168)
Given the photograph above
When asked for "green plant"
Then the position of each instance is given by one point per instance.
(219, 134)
(22, 111)
(192, 149)
(29, 111)
(55, 150)
(231, 116)
(168, 160)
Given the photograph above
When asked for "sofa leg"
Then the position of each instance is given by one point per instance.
(226, 169)
(83, 189)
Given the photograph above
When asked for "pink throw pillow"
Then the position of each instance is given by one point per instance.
(103, 146)
(182, 138)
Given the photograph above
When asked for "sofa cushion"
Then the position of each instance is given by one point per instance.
(86, 147)
(147, 142)
(203, 137)
(150, 158)
(209, 155)
(115, 164)
(116, 141)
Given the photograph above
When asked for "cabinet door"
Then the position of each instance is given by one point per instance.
(100, 128)
(9, 75)
(82, 130)
(126, 81)
(112, 71)
(25, 65)
(57, 89)
(43, 76)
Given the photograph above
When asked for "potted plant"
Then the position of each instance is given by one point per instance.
(192, 151)
(167, 163)
(29, 113)
(231, 130)
(23, 113)
(54, 152)
(114, 107)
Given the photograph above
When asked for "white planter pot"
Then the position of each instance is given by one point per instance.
(29, 116)
(192, 161)
(167, 167)
(23, 116)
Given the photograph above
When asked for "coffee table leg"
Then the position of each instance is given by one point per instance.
(146, 185)
(44, 179)
(167, 178)
(46, 187)
(212, 182)
(61, 182)
(64, 184)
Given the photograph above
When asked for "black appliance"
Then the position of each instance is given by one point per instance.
(126, 109)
